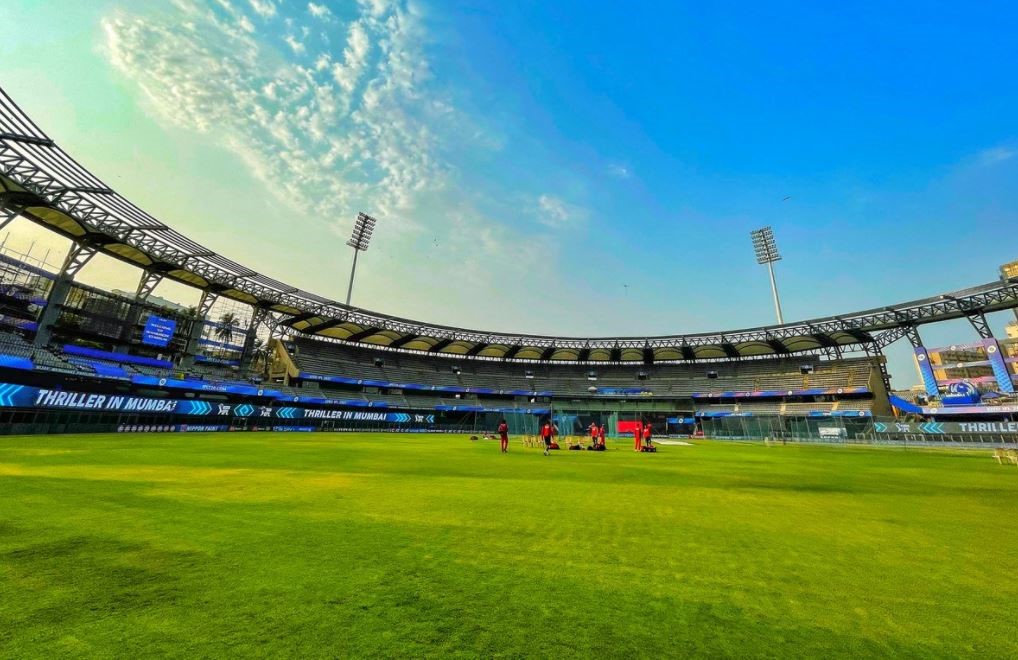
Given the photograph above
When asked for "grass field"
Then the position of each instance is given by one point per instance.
(282, 544)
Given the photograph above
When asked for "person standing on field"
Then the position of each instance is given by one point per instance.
(638, 436)
(600, 435)
(647, 435)
(546, 436)
(503, 436)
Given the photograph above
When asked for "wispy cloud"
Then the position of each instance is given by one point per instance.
(349, 121)
(995, 155)
(326, 138)
(556, 213)
(355, 55)
(620, 171)
(319, 11)
(296, 46)
(264, 8)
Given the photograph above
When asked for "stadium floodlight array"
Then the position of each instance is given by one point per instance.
(767, 253)
(360, 238)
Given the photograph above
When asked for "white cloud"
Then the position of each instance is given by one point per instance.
(620, 171)
(296, 46)
(319, 11)
(556, 213)
(327, 142)
(376, 8)
(264, 8)
(336, 130)
(355, 56)
(995, 155)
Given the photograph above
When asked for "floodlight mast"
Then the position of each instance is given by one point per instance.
(767, 253)
(360, 238)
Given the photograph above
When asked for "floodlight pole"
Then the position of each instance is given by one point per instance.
(774, 290)
(360, 238)
(353, 271)
(767, 253)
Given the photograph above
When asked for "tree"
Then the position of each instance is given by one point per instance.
(261, 356)
(226, 329)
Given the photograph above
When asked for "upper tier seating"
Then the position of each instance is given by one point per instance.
(677, 380)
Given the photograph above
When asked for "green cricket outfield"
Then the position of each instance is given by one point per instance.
(266, 544)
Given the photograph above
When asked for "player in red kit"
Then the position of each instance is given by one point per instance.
(503, 436)
(647, 435)
(600, 435)
(593, 434)
(637, 436)
(546, 436)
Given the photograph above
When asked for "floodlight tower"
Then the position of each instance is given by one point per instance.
(767, 253)
(359, 241)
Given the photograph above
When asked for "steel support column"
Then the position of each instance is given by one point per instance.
(912, 332)
(202, 309)
(208, 299)
(7, 213)
(874, 350)
(79, 255)
(981, 325)
(274, 322)
(149, 281)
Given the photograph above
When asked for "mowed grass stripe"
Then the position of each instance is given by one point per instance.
(360, 544)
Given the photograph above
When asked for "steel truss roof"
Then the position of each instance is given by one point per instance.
(45, 184)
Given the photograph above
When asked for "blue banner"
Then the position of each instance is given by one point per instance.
(756, 394)
(922, 360)
(1000, 370)
(20, 324)
(209, 359)
(204, 386)
(87, 352)
(25, 396)
(158, 331)
(211, 342)
(15, 362)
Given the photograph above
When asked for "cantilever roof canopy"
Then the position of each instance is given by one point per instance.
(42, 182)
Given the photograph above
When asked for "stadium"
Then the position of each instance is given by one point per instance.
(324, 361)
(273, 472)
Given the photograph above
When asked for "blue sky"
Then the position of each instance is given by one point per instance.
(576, 168)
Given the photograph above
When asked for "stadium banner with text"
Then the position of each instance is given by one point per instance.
(998, 365)
(38, 398)
(756, 394)
(945, 428)
(158, 331)
(223, 362)
(204, 386)
(969, 410)
(922, 360)
(809, 413)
